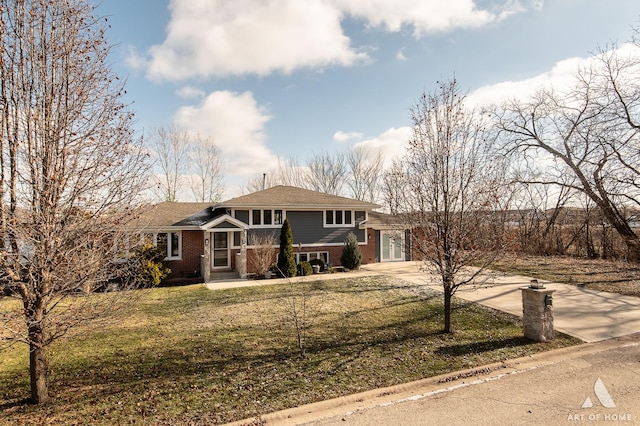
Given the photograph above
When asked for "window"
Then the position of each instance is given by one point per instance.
(277, 217)
(306, 257)
(256, 216)
(347, 216)
(168, 243)
(175, 245)
(338, 218)
(162, 243)
(267, 218)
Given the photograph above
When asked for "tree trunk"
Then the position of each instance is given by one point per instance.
(38, 369)
(447, 310)
(621, 225)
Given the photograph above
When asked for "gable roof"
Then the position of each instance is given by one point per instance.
(293, 197)
(167, 214)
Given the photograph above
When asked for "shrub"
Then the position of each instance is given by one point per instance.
(318, 262)
(286, 259)
(146, 267)
(351, 254)
(305, 268)
(263, 252)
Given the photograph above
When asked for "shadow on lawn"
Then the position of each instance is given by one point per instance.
(485, 346)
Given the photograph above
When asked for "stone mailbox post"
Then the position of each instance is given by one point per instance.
(537, 310)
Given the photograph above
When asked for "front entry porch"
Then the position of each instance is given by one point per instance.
(223, 237)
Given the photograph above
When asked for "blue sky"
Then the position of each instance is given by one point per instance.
(288, 78)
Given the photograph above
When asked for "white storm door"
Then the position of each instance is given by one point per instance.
(220, 250)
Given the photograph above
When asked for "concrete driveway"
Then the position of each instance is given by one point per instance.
(586, 314)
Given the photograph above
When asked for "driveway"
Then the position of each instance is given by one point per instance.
(586, 314)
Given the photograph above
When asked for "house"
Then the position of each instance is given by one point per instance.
(211, 240)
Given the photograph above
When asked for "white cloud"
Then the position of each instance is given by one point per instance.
(207, 38)
(135, 60)
(391, 143)
(190, 92)
(560, 77)
(427, 16)
(213, 38)
(400, 55)
(341, 136)
(236, 123)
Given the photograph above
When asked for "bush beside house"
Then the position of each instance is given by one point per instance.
(351, 254)
(286, 259)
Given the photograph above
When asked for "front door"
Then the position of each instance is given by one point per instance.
(220, 250)
(392, 246)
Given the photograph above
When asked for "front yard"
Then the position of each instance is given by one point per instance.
(189, 355)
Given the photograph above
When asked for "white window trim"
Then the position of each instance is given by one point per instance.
(155, 242)
(297, 255)
(273, 215)
(341, 225)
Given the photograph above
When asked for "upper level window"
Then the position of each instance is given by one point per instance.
(338, 218)
(267, 217)
(256, 216)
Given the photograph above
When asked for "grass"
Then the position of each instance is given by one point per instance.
(188, 355)
(595, 274)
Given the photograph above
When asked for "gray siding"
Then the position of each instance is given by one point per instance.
(308, 228)
(225, 225)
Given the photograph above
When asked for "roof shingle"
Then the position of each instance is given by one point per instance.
(291, 196)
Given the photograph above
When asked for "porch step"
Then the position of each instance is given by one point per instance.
(224, 276)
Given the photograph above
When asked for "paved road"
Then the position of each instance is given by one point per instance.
(549, 391)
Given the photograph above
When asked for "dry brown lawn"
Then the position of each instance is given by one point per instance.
(595, 274)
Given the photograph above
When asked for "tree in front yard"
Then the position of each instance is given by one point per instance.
(448, 189)
(286, 259)
(351, 254)
(71, 174)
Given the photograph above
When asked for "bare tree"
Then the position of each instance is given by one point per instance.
(207, 169)
(170, 147)
(448, 189)
(587, 137)
(70, 172)
(365, 171)
(327, 172)
(288, 172)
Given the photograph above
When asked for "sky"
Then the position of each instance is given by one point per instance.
(269, 79)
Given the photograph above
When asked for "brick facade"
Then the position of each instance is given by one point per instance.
(335, 252)
(192, 251)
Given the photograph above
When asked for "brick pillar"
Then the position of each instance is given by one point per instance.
(537, 310)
